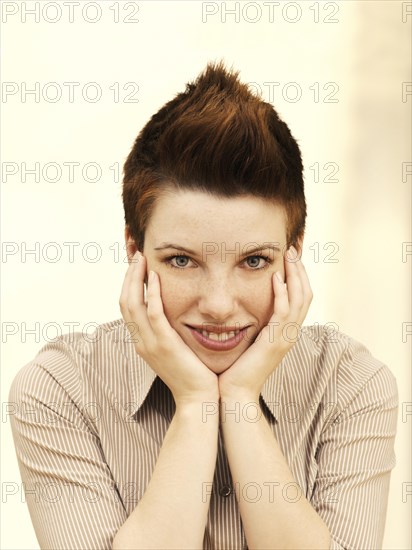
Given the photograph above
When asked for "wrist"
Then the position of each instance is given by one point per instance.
(239, 407)
(243, 395)
(202, 408)
(193, 396)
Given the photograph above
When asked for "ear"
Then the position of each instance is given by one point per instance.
(131, 247)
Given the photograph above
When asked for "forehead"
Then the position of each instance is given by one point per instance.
(190, 215)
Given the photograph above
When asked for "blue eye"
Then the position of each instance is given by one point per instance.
(169, 259)
(182, 259)
(268, 261)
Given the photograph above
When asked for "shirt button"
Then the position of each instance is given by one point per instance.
(225, 491)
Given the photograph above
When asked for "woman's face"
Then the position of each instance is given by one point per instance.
(201, 248)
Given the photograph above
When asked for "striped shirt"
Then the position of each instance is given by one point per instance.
(91, 416)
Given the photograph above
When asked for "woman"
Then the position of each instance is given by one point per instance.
(208, 416)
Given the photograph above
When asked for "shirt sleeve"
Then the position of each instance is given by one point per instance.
(70, 492)
(355, 457)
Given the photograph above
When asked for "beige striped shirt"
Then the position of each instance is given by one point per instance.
(91, 416)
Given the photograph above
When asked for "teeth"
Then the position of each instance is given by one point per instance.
(219, 337)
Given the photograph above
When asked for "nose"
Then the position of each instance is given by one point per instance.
(217, 299)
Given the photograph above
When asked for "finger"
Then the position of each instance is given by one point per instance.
(134, 308)
(124, 295)
(138, 275)
(273, 330)
(281, 303)
(126, 284)
(307, 290)
(155, 311)
(294, 286)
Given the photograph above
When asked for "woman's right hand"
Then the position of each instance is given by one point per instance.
(158, 343)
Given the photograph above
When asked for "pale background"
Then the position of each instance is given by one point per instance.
(366, 133)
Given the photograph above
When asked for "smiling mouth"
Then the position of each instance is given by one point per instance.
(220, 335)
(217, 336)
(221, 340)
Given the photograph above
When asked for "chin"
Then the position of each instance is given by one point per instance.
(218, 369)
(218, 364)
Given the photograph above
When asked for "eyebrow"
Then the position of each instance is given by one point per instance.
(175, 246)
(250, 251)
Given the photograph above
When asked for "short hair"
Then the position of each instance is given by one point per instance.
(220, 138)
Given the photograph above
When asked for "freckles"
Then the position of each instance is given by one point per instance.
(175, 295)
(263, 300)
(259, 299)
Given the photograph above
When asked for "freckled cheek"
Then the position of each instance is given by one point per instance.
(177, 296)
(260, 303)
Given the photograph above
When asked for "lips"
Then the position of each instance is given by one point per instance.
(218, 336)
(218, 329)
(220, 339)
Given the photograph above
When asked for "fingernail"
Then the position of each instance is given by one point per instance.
(151, 276)
(292, 253)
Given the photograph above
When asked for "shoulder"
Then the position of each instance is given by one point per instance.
(346, 366)
(62, 364)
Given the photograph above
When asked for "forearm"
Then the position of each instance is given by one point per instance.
(172, 513)
(271, 516)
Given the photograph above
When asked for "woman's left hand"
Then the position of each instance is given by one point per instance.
(248, 374)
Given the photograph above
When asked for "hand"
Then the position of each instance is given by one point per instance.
(248, 374)
(158, 343)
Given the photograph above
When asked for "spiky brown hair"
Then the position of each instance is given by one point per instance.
(218, 137)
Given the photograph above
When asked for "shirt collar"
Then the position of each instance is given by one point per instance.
(141, 378)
